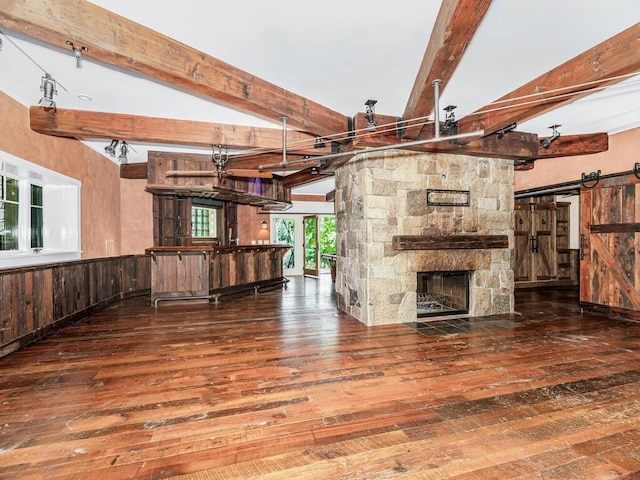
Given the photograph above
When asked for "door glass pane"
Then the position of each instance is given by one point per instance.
(285, 234)
(327, 238)
(310, 240)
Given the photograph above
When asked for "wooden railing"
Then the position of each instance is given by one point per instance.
(37, 300)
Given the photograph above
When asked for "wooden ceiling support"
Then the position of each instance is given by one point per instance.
(454, 28)
(120, 42)
(573, 145)
(301, 177)
(605, 64)
(82, 125)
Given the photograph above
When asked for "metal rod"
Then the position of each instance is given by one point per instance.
(436, 107)
(284, 140)
(477, 133)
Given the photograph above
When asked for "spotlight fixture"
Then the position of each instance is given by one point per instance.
(545, 142)
(504, 130)
(264, 225)
(77, 52)
(48, 87)
(370, 113)
(124, 150)
(111, 148)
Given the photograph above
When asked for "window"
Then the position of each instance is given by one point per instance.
(39, 214)
(37, 224)
(9, 210)
(203, 222)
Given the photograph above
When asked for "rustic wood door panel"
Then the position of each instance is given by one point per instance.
(610, 235)
(522, 268)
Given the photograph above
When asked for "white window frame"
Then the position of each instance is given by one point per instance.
(61, 211)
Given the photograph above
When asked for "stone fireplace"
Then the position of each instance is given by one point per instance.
(382, 207)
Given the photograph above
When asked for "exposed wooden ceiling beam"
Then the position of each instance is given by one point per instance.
(122, 43)
(454, 28)
(573, 145)
(81, 124)
(514, 145)
(605, 64)
(301, 177)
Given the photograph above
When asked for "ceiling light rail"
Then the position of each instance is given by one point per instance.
(477, 133)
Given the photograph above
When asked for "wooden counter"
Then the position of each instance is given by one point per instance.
(207, 272)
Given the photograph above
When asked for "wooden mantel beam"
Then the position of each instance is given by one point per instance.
(454, 28)
(605, 64)
(81, 124)
(117, 41)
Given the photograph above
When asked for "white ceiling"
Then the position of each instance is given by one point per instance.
(341, 53)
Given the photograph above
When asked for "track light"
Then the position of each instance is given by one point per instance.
(450, 125)
(545, 142)
(370, 113)
(48, 87)
(111, 148)
(124, 150)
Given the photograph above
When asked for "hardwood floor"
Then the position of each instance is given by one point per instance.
(281, 385)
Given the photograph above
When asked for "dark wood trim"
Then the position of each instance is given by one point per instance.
(616, 228)
(134, 171)
(432, 242)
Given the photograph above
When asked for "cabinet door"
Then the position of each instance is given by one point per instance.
(610, 243)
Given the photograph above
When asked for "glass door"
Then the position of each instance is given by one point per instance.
(285, 234)
(311, 247)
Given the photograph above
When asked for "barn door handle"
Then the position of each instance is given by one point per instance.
(582, 243)
(534, 244)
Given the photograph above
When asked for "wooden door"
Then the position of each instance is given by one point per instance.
(610, 244)
(522, 268)
(544, 237)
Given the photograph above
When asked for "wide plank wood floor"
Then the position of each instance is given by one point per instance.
(280, 385)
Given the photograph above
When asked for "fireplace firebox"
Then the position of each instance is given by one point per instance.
(443, 293)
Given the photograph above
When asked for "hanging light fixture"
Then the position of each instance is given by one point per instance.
(124, 150)
(111, 148)
(48, 87)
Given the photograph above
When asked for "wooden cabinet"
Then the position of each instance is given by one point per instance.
(541, 251)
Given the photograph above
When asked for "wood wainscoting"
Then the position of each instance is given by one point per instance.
(39, 299)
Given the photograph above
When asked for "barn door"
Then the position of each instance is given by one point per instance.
(535, 236)
(610, 244)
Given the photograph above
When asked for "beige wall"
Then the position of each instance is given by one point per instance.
(100, 205)
(137, 216)
(621, 156)
(250, 225)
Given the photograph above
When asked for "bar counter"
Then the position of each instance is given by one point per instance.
(206, 272)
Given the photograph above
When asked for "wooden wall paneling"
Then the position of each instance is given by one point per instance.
(35, 298)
